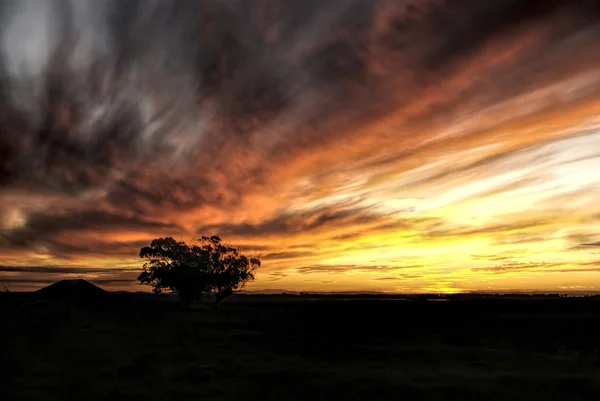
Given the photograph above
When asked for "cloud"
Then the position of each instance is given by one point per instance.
(285, 255)
(81, 143)
(24, 280)
(399, 277)
(68, 234)
(328, 136)
(41, 225)
(30, 277)
(340, 269)
(512, 267)
(491, 257)
(276, 276)
(521, 238)
(443, 230)
(597, 270)
(296, 223)
(63, 270)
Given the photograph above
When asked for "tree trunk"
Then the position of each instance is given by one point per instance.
(183, 304)
(217, 297)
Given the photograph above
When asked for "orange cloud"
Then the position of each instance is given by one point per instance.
(365, 145)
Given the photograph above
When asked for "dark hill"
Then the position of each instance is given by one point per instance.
(71, 289)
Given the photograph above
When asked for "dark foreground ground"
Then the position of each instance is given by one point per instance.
(142, 348)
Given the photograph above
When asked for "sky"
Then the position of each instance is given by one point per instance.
(353, 145)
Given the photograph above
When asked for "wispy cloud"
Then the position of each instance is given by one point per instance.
(370, 139)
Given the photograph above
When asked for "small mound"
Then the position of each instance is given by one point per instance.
(71, 289)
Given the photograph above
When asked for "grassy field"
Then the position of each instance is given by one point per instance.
(268, 348)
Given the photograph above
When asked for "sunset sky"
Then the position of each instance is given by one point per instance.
(354, 145)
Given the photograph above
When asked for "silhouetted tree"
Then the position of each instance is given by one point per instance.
(193, 271)
(229, 270)
(175, 266)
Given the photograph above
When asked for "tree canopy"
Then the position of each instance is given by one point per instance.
(193, 271)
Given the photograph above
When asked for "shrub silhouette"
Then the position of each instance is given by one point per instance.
(194, 271)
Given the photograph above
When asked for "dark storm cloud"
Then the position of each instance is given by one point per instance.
(485, 20)
(66, 249)
(67, 235)
(45, 226)
(105, 86)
